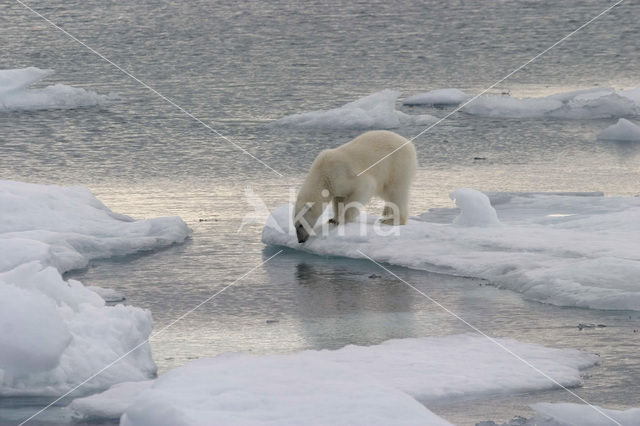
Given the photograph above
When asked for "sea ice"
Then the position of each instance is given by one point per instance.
(566, 250)
(55, 333)
(15, 94)
(623, 130)
(376, 111)
(437, 97)
(353, 385)
(475, 208)
(109, 404)
(580, 104)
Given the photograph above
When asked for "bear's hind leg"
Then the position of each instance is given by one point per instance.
(396, 209)
(354, 203)
(390, 214)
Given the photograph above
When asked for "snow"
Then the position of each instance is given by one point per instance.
(376, 111)
(475, 208)
(580, 104)
(568, 414)
(238, 389)
(437, 97)
(623, 130)
(54, 333)
(15, 94)
(354, 385)
(566, 250)
(109, 404)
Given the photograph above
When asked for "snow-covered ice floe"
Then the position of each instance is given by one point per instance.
(378, 384)
(623, 130)
(376, 111)
(568, 414)
(55, 333)
(16, 95)
(438, 97)
(580, 104)
(567, 250)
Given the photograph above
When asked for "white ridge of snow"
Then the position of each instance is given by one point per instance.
(376, 111)
(55, 333)
(565, 250)
(568, 414)
(579, 104)
(353, 385)
(109, 404)
(438, 97)
(475, 207)
(15, 94)
(623, 130)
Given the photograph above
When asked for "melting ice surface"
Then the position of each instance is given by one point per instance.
(378, 384)
(376, 111)
(16, 95)
(54, 333)
(580, 104)
(566, 250)
(623, 130)
(437, 97)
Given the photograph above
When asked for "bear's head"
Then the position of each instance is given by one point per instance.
(305, 216)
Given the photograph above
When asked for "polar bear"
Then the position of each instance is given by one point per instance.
(344, 177)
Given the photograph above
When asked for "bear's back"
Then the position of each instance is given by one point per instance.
(370, 147)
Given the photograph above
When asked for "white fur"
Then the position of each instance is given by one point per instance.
(336, 171)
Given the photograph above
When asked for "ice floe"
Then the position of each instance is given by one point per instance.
(438, 97)
(354, 385)
(579, 104)
(376, 111)
(567, 250)
(55, 333)
(15, 93)
(623, 130)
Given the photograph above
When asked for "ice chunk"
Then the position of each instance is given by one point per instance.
(437, 97)
(21, 78)
(353, 385)
(564, 250)
(67, 227)
(475, 208)
(54, 333)
(33, 334)
(568, 414)
(580, 104)
(15, 94)
(623, 130)
(109, 404)
(376, 111)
